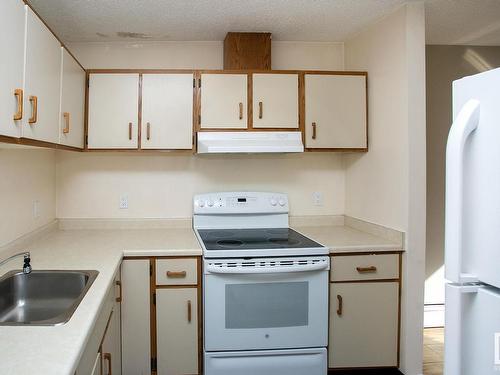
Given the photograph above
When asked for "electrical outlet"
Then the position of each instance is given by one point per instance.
(318, 198)
(123, 202)
(36, 209)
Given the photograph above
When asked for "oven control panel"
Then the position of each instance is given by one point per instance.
(240, 202)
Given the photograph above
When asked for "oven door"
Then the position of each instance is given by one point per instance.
(266, 303)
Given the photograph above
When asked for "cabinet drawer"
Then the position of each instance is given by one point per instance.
(176, 271)
(364, 267)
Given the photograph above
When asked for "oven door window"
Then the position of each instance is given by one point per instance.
(267, 305)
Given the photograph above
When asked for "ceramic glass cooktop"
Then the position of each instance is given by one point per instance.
(249, 239)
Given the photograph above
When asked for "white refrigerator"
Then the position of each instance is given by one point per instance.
(472, 234)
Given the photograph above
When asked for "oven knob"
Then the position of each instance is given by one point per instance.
(273, 202)
(210, 203)
(200, 203)
(282, 202)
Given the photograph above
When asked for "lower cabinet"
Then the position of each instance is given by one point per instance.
(96, 369)
(111, 343)
(136, 338)
(364, 314)
(177, 331)
(104, 341)
(160, 316)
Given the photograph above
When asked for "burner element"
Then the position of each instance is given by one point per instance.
(229, 243)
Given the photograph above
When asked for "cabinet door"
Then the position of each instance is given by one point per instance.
(177, 331)
(113, 111)
(71, 116)
(12, 21)
(167, 111)
(276, 101)
(224, 101)
(335, 111)
(111, 344)
(42, 82)
(364, 325)
(135, 313)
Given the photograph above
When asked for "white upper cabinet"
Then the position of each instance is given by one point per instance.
(335, 111)
(167, 111)
(42, 82)
(223, 101)
(113, 111)
(276, 101)
(71, 117)
(12, 21)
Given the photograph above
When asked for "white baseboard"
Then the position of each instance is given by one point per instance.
(433, 316)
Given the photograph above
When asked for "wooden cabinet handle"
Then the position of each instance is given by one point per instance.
(18, 93)
(261, 110)
(66, 123)
(241, 110)
(340, 305)
(148, 131)
(189, 310)
(370, 269)
(176, 274)
(107, 357)
(314, 130)
(34, 110)
(119, 285)
(130, 131)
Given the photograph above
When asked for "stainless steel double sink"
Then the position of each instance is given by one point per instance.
(44, 298)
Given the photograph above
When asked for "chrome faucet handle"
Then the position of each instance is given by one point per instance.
(27, 265)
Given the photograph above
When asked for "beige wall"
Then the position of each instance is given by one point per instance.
(202, 55)
(387, 185)
(162, 185)
(159, 186)
(26, 175)
(444, 65)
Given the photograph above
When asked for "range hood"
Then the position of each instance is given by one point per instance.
(249, 142)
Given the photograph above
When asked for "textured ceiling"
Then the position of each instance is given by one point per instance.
(467, 22)
(448, 21)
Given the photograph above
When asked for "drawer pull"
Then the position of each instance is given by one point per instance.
(314, 130)
(371, 269)
(189, 310)
(261, 110)
(119, 284)
(34, 110)
(340, 305)
(148, 131)
(130, 131)
(66, 122)
(241, 110)
(18, 93)
(107, 357)
(176, 274)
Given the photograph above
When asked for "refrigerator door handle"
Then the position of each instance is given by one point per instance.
(466, 122)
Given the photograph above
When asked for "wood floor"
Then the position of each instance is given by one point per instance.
(433, 351)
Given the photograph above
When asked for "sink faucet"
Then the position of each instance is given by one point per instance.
(27, 260)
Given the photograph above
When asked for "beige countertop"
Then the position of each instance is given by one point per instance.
(57, 350)
(342, 239)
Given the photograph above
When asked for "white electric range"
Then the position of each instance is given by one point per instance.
(265, 287)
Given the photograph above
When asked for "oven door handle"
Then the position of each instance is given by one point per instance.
(278, 269)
